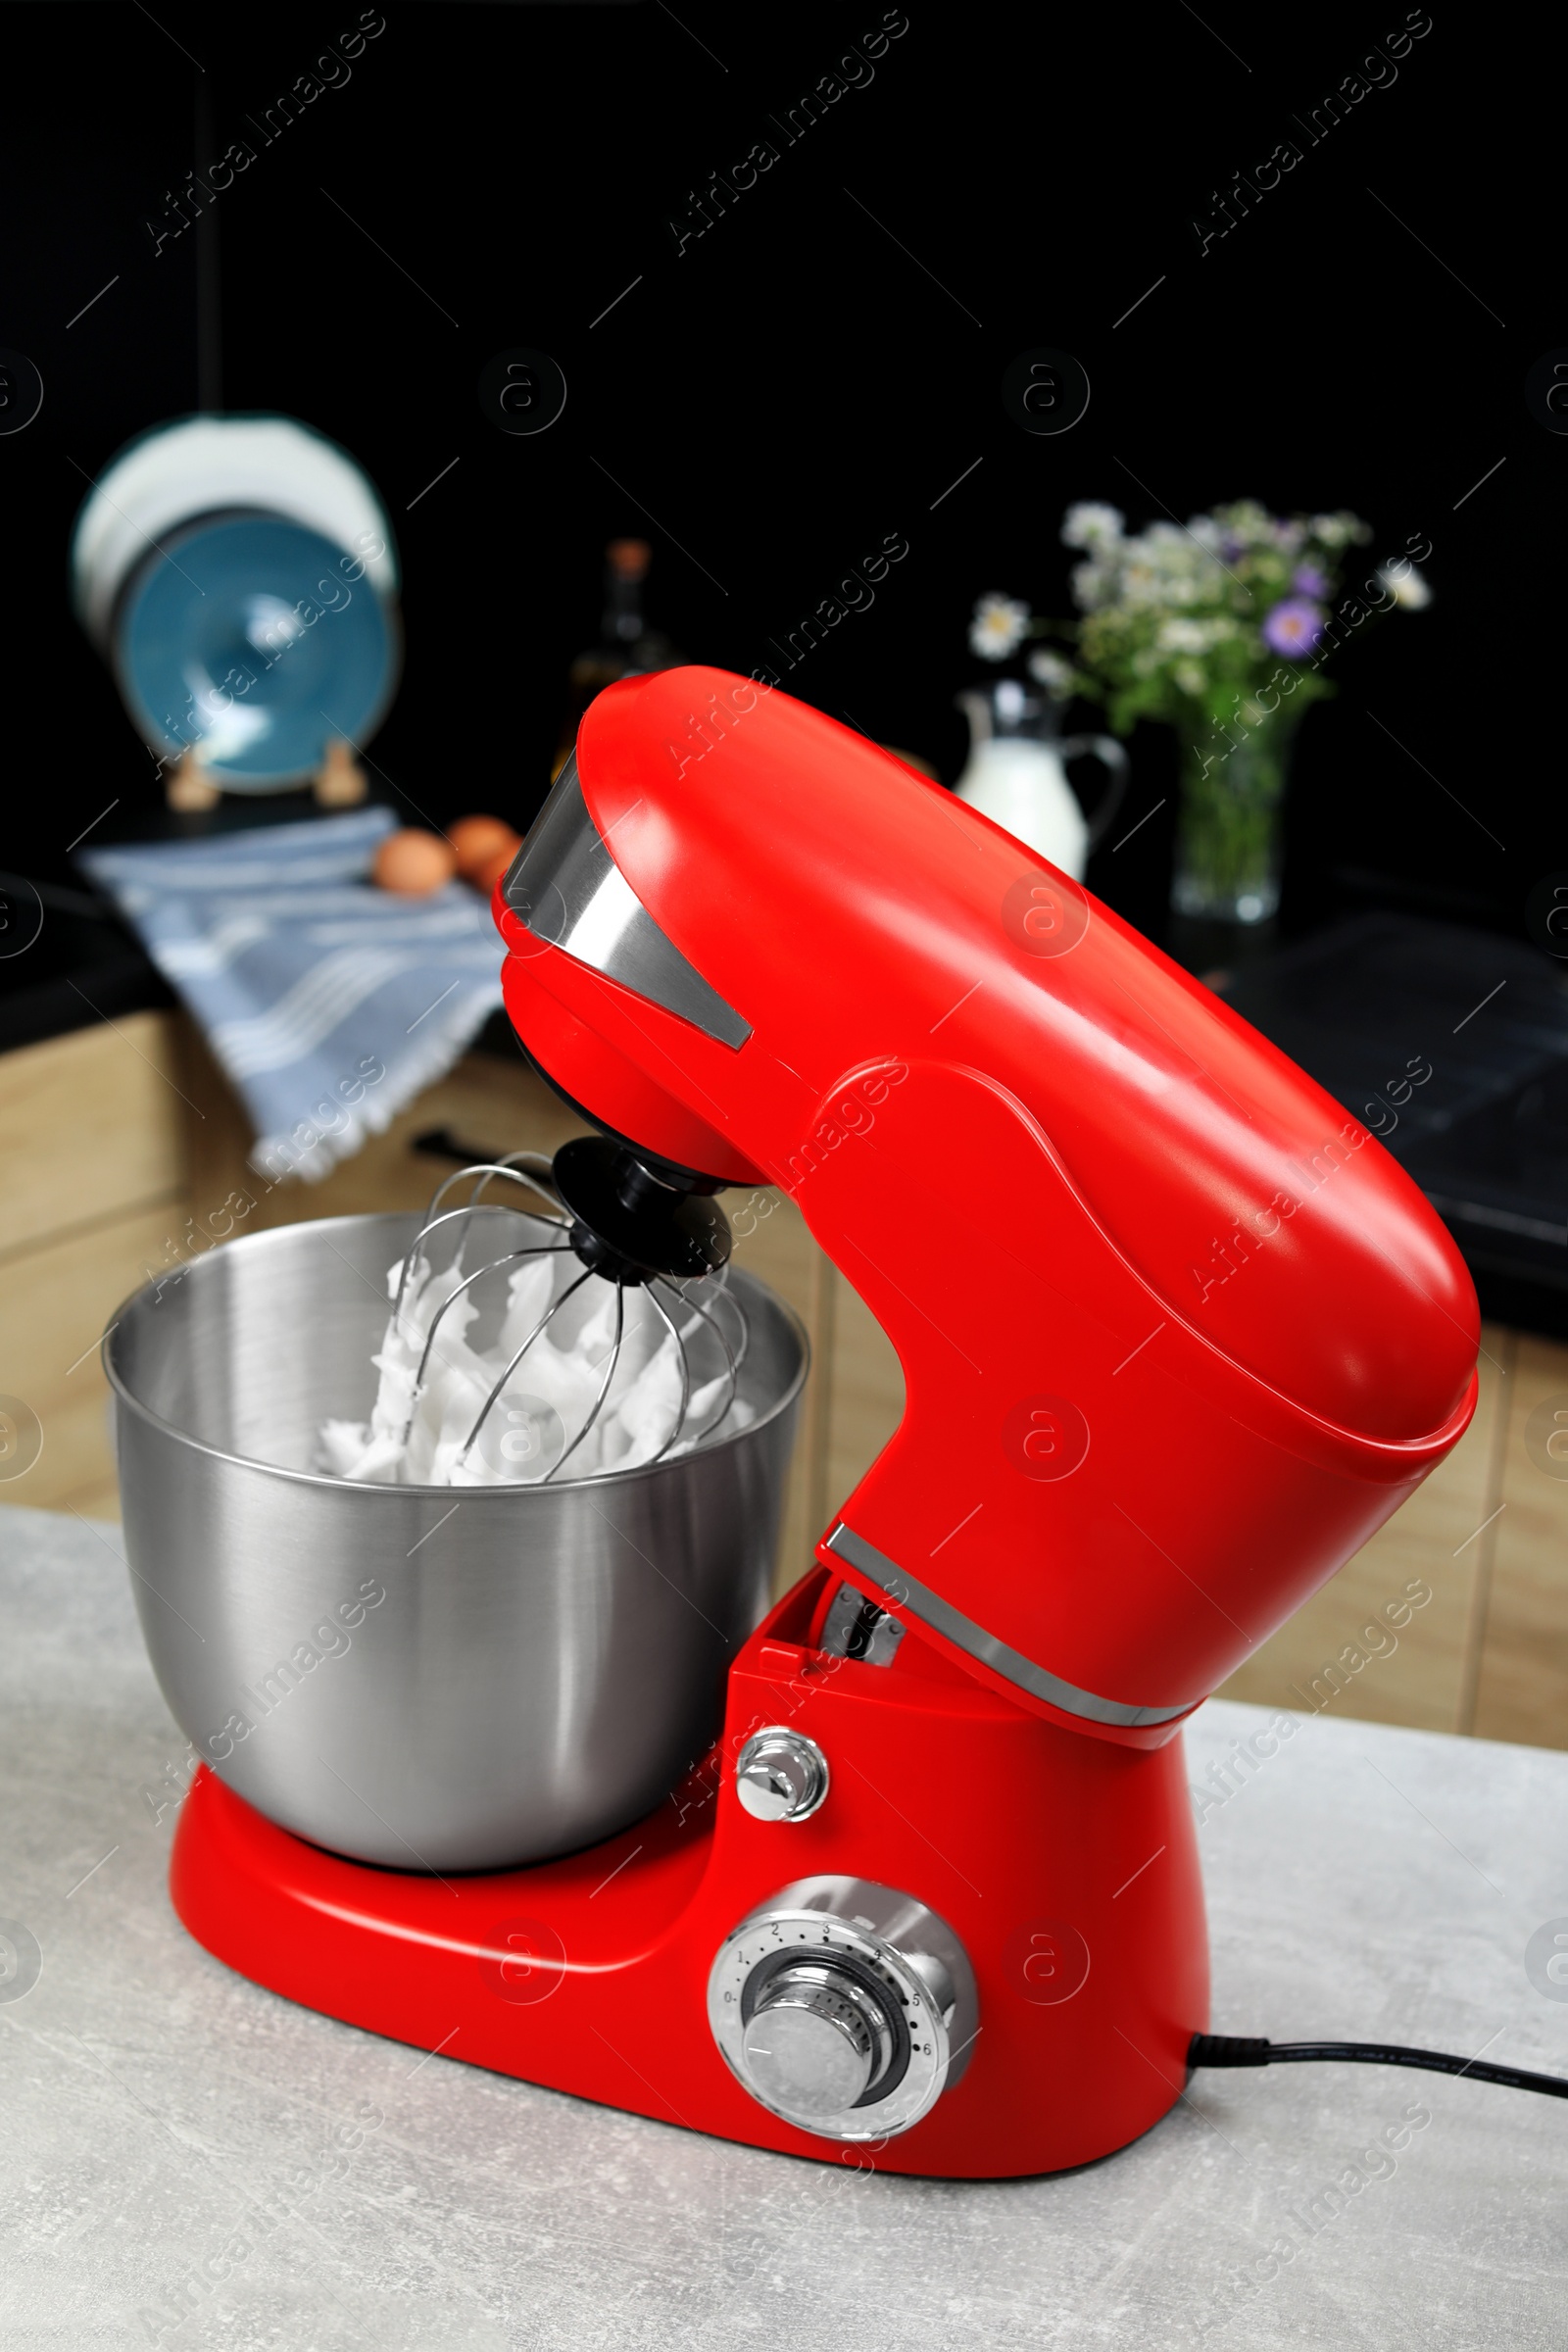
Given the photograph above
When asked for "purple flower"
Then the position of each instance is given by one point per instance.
(1311, 581)
(1294, 628)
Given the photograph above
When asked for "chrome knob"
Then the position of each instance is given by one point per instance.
(817, 2042)
(843, 2006)
(780, 1774)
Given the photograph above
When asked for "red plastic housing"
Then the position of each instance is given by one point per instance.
(1069, 1868)
(1197, 1335)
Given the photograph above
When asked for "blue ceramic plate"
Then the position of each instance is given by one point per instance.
(258, 640)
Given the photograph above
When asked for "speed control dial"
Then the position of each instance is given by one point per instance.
(843, 2006)
(818, 2040)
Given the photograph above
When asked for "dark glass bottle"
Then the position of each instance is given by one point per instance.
(626, 646)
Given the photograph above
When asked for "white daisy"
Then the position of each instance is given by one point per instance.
(1092, 584)
(1249, 522)
(1182, 637)
(1092, 526)
(998, 627)
(1409, 590)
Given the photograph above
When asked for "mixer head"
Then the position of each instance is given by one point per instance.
(1223, 1335)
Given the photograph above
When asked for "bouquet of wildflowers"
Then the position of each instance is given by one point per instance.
(1221, 629)
(1192, 625)
(1195, 626)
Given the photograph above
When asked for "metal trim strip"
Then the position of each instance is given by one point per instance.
(568, 890)
(905, 1592)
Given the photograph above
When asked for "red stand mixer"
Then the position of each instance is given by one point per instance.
(933, 1898)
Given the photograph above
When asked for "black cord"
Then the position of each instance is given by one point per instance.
(1233, 2049)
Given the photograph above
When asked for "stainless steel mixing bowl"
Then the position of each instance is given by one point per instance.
(429, 1678)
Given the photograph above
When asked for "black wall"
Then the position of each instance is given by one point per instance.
(796, 384)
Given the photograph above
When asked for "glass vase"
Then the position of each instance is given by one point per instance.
(1228, 833)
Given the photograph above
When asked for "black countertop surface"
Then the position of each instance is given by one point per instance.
(1451, 1044)
(66, 961)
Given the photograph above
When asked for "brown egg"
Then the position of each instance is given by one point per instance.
(479, 841)
(485, 877)
(413, 863)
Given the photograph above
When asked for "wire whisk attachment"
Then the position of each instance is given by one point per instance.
(618, 1341)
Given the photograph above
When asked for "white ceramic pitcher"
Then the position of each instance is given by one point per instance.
(1016, 773)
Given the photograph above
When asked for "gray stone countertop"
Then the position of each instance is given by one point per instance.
(159, 2112)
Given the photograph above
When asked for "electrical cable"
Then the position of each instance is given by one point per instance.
(1232, 2049)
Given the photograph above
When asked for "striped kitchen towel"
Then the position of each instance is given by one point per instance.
(329, 1002)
